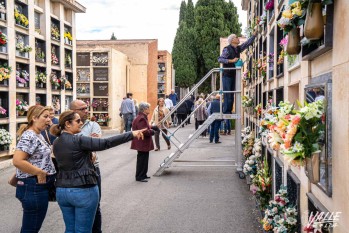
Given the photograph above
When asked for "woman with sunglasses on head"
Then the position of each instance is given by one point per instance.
(35, 171)
(77, 192)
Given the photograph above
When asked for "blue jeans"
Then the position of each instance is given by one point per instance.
(228, 85)
(214, 132)
(34, 199)
(227, 128)
(128, 118)
(79, 207)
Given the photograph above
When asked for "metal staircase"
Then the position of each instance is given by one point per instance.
(183, 145)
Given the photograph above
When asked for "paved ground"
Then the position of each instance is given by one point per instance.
(199, 199)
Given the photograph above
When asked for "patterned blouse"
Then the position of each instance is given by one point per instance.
(39, 152)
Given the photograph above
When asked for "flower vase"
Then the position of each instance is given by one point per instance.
(312, 168)
(55, 87)
(5, 82)
(2, 16)
(20, 113)
(314, 22)
(41, 85)
(20, 84)
(99, 108)
(293, 45)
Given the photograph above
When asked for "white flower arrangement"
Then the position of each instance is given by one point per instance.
(100, 60)
(5, 137)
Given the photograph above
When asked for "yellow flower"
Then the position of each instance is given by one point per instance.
(287, 14)
(297, 11)
(296, 5)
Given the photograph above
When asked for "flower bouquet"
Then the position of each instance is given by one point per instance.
(54, 59)
(55, 81)
(55, 34)
(68, 60)
(68, 37)
(5, 72)
(23, 48)
(280, 216)
(269, 6)
(21, 19)
(95, 104)
(293, 16)
(22, 78)
(2, 8)
(247, 101)
(5, 139)
(21, 106)
(3, 39)
(262, 182)
(40, 78)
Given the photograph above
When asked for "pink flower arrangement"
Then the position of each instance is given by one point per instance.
(270, 5)
(284, 42)
(2, 111)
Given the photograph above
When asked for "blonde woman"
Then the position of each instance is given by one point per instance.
(159, 113)
(35, 170)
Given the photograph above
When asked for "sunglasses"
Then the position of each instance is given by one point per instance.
(78, 121)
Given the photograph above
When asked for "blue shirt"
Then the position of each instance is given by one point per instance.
(127, 107)
(174, 98)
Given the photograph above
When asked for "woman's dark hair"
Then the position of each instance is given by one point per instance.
(56, 129)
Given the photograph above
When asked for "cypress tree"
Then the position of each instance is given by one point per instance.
(182, 12)
(113, 37)
(189, 14)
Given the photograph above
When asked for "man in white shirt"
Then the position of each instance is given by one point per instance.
(168, 103)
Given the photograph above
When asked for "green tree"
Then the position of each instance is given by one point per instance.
(184, 58)
(113, 37)
(213, 19)
(189, 14)
(182, 12)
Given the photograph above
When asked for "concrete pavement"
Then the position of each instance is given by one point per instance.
(196, 199)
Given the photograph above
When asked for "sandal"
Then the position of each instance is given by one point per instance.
(169, 147)
(157, 149)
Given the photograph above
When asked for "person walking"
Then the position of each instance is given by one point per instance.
(190, 108)
(200, 114)
(158, 114)
(143, 146)
(174, 97)
(128, 111)
(229, 56)
(77, 191)
(35, 170)
(182, 112)
(91, 129)
(213, 108)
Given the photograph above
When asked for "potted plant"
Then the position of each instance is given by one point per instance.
(21, 107)
(5, 139)
(5, 72)
(39, 55)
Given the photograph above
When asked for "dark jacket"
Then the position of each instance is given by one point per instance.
(215, 106)
(146, 144)
(183, 109)
(46, 133)
(73, 155)
(190, 105)
(233, 53)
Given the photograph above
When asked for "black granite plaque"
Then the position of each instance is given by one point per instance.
(278, 175)
(293, 192)
(100, 74)
(100, 89)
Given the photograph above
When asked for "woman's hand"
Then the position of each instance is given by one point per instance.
(139, 133)
(41, 177)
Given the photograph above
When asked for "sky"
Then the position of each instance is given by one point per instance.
(134, 19)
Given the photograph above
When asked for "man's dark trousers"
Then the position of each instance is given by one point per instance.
(214, 133)
(228, 85)
(97, 224)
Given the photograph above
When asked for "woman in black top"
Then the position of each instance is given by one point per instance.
(77, 191)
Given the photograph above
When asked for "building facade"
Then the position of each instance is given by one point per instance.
(164, 73)
(37, 59)
(141, 73)
(315, 70)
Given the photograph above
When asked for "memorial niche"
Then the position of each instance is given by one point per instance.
(100, 89)
(316, 92)
(100, 74)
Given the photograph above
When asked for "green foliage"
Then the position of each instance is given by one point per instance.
(196, 46)
(182, 12)
(184, 59)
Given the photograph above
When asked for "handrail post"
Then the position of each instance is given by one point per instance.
(238, 120)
